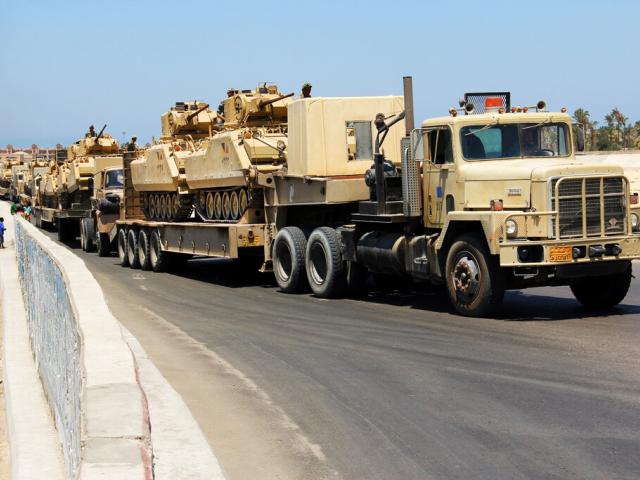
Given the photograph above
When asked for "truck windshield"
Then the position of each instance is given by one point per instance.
(114, 179)
(514, 140)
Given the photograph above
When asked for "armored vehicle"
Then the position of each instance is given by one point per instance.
(159, 171)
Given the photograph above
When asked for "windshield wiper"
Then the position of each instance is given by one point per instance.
(487, 126)
(548, 120)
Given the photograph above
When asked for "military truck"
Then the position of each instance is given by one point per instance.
(64, 192)
(485, 199)
(98, 229)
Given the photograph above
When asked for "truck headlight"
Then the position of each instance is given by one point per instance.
(511, 228)
(635, 222)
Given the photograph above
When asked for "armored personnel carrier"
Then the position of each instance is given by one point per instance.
(158, 172)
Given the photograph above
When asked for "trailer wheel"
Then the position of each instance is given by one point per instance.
(144, 256)
(160, 261)
(474, 279)
(123, 255)
(289, 249)
(325, 268)
(103, 244)
(132, 249)
(603, 291)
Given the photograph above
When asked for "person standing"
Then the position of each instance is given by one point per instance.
(2, 229)
(306, 91)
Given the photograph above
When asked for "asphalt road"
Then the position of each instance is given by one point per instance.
(393, 386)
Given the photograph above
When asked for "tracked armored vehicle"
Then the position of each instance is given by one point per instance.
(158, 172)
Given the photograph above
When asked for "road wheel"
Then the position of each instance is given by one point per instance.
(151, 208)
(210, 211)
(144, 255)
(243, 200)
(604, 291)
(89, 228)
(234, 205)
(226, 206)
(83, 235)
(132, 249)
(123, 255)
(474, 279)
(160, 261)
(217, 206)
(103, 244)
(175, 206)
(325, 268)
(289, 249)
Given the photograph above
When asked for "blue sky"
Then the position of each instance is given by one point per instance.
(67, 64)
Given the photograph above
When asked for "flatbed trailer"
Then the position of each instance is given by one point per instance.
(66, 222)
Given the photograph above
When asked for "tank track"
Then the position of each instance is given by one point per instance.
(167, 207)
(222, 205)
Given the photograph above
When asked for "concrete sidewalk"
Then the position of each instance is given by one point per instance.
(35, 451)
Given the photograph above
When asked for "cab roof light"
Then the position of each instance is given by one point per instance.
(493, 102)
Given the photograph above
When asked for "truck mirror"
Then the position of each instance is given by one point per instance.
(417, 145)
(580, 136)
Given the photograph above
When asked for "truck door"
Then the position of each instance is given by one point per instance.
(439, 177)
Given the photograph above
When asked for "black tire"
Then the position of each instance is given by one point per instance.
(132, 249)
(160, 260)
(86, 238)
(474, 279)
(289, 250)
(144, 255)
(103, 244)
(123, 255)
(604, 291)
(326, 270)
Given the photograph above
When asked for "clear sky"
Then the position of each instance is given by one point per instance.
(67, 64)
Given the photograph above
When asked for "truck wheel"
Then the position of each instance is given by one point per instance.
(103, 244)
(144, 256)
(86, 241)
(603, 291)
(289, 250)
(325, 268)
(474, 279)
(132, 249)
(160, 261)
(122, 248)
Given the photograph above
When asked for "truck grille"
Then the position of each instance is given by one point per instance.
(589, 207)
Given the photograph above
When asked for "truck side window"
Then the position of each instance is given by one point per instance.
(359, 140)
(440, 146)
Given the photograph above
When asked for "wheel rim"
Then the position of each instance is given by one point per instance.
(243, 201)
(234, 205)
(217, 205)
(163, 207)
(226, 206)
(318, 260)
(151, 208)
(466, 276)
(284, 265)
(210, 206)
(202, 202)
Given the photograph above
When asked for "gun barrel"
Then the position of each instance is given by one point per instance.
(101, 132)
(265, 103)
(197, 112)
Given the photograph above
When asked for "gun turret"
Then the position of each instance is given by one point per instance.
(265, 103)
(197, 112)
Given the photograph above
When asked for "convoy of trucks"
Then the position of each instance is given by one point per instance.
(325, 192)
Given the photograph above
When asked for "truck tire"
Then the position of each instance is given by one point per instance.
(160, 261)
(326, 270)
(144, 255)
(123, 255)
(474, 280)
(289, 250)
(103, 244)
(603, 291)
(86, 239)
(132, 249)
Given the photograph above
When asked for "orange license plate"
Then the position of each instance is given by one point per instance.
(560, 254)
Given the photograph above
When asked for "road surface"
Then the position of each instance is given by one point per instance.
(393, 386)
